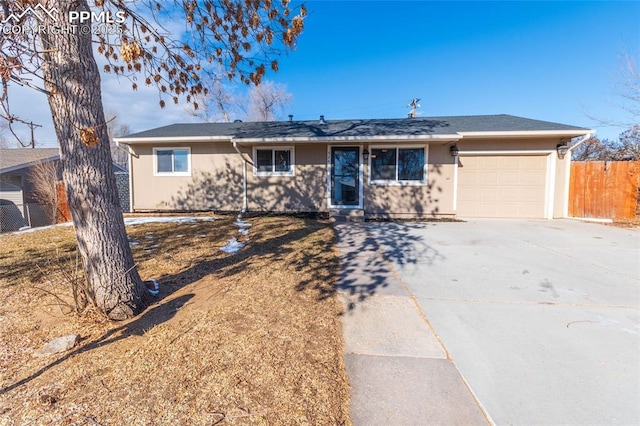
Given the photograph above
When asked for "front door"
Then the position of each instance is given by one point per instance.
(345, 176)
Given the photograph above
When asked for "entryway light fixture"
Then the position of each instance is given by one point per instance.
(454, 150)
(365, 154)
(562, 148)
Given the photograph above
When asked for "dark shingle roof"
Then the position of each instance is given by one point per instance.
(357, 128)
(13, 159)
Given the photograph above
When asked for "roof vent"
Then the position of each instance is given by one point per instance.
(237, 120)
(322, 120)
(290, 117)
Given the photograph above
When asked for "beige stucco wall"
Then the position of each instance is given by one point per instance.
(305, 191)
(433, 199)
(215, 182)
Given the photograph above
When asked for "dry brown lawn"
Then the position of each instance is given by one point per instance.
(248, 338)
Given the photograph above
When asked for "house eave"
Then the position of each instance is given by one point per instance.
(172, 139)
(525, 134)
(347, 139)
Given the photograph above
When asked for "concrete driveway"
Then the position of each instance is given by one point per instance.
(541, 318)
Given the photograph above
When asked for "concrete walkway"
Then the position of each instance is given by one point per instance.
(399, 371)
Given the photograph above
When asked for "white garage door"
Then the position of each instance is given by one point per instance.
(502, 186)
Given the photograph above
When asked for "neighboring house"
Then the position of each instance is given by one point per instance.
(467, 166)
(18, 204)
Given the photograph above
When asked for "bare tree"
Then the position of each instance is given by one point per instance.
(4, 142)
(267, 101)
(628, 146)
(43, 177)
(593, 149)
(264, 102)
(625, 148)
(221, 104)
(626, 89)
(241, 36)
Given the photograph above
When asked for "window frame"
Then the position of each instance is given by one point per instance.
(172, 173)
(273, 150)
(397, 182)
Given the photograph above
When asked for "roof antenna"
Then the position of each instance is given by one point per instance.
(414, 107)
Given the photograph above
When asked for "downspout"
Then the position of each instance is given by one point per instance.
(244, 177)
(567, 171)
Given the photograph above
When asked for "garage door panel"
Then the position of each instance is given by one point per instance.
(502, 186)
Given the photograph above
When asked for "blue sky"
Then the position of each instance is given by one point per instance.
(555, 61)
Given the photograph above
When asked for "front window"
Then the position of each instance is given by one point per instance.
(398, 165)
(174, 161)
(274, 161)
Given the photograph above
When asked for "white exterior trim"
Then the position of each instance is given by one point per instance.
(291, 149)
(524, 133)
(550, 186)
(455, 184)
(567, 184)
(170, 148)
(509, 152)
(130, 180)
(360, 179)
(337, 139)
(172, 139)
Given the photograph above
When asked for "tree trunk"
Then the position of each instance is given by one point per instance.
(72, 77)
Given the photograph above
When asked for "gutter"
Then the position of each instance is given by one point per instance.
(354, 139)
(244, 177)
(581, 141)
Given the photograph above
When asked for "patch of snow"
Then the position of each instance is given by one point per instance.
(232, 246)
(244, 231)
(242, 224)
(133, 243)
(24, 228)
(132, 221)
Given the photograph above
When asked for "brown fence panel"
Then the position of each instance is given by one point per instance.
(604, 189)
(63, 205)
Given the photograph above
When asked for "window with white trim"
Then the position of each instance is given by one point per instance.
(172, 161)
(398, 165)
(273, 161)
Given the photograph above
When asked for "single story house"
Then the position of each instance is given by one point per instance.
(465, 166)
(18, 204)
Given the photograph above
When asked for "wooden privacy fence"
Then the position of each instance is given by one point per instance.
(604, 189)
